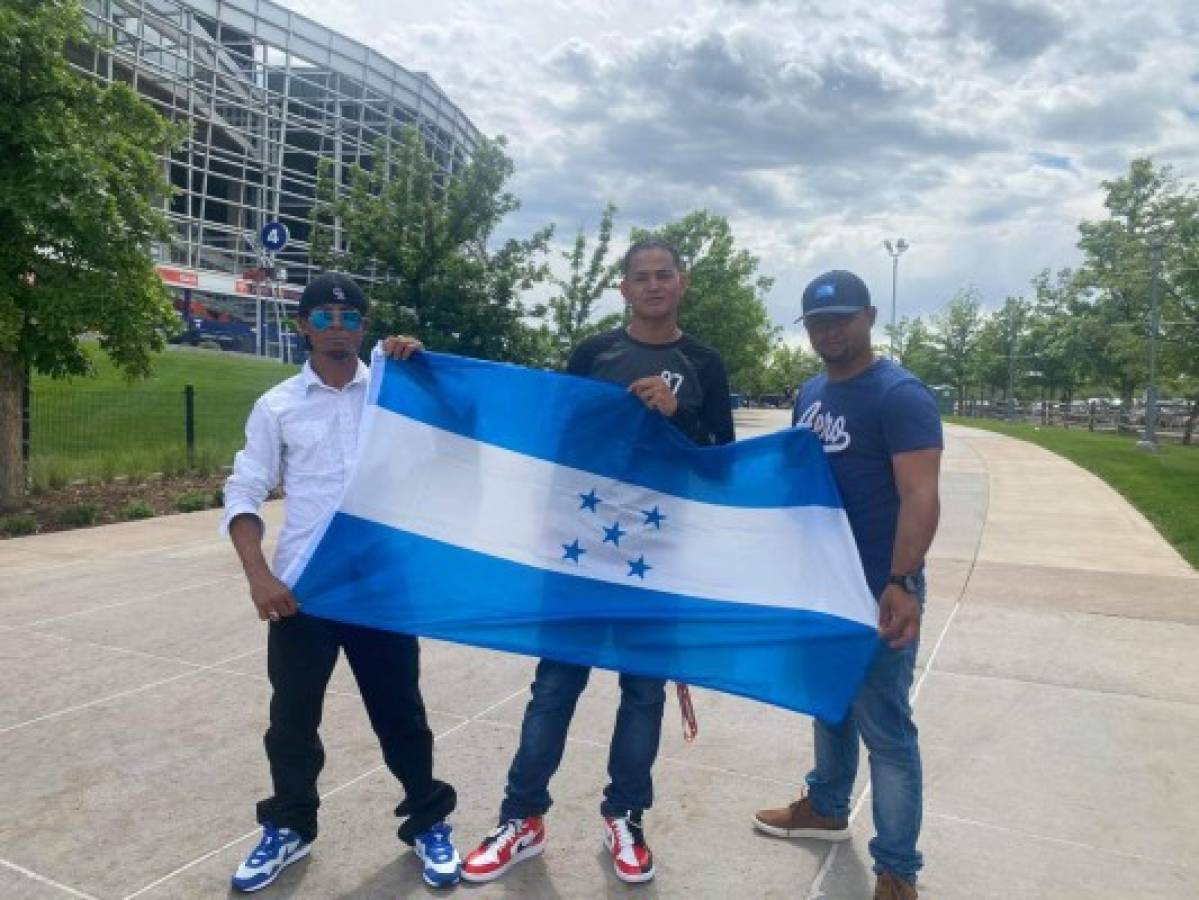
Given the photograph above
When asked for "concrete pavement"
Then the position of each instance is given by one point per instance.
(1056, 700)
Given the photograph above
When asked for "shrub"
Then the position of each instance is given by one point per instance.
(218, 497)
(106, 468)
(18, 524)
(191, 501)
(173, 463)
(48, 475)
(136, 509)
(78, 515)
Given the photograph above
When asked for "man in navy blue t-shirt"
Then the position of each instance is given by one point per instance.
(882, 436)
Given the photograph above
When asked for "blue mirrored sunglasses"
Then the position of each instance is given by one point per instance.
(322, 319)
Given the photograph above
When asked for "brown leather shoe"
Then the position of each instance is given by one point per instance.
(799, 820)
(892, 887)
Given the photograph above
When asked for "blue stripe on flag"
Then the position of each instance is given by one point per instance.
(600, 428)
(801, 660)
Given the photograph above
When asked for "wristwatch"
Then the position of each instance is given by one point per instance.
(909, 583)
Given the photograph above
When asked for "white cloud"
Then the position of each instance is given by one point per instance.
(978, 129)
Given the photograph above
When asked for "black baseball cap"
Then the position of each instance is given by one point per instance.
(330, 289)
(835, 293)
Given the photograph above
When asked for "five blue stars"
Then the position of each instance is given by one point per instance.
(653, 517)
(614, 534)
(638, 567)
(573, 551)
(590, 501)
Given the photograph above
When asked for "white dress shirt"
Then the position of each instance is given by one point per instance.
(303, 435)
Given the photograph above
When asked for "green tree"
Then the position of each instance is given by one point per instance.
(430, 239)
(1148, 204)
(998, 355)
(724, 306)
(1180, 306)
(571, 310)
(81, 185)
(956, 334)
(915, 350)
(1055, 346)
(789, 367)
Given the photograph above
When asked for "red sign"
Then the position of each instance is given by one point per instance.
(179, 276)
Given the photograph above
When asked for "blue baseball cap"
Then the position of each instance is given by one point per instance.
(835, 293)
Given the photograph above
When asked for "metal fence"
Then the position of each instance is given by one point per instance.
(1171, 422)
(78, 431)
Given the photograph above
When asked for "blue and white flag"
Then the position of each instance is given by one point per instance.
(558, 517)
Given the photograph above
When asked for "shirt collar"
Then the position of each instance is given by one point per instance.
(310, 379)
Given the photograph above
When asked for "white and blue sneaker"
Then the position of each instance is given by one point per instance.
(278, 849)
(442, 865)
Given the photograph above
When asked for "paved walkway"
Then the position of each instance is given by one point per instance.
(1056, 698)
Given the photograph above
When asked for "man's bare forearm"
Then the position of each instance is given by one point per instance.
(919, 513)
(246, 533)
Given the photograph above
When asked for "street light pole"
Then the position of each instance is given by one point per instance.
(1149, 440)
(894, 251)
(1011, 360)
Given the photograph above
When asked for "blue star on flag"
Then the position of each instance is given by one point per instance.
(614, 534)
(590, 500)
(573, 551)
(653, 517)
(638, 567)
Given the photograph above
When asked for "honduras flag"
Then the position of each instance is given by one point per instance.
(557, 517)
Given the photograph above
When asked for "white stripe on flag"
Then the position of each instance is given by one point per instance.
(443, 486)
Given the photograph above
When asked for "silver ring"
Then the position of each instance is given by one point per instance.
(273, 616)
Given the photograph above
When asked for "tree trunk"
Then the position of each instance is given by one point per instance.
(1189, 428)
(12, 466)
(1124, 418)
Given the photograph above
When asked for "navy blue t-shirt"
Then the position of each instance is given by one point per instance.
(863, 422)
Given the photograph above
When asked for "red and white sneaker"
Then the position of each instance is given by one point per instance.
(511, 842)
(625, 839)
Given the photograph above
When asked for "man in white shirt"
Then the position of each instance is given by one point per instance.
(303, 435)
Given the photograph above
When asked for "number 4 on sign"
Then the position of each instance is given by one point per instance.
(274, 236)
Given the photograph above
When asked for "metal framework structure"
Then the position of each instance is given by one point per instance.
(266, 93)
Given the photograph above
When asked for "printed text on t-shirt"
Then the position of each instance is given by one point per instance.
(829, 429)
(673, 379)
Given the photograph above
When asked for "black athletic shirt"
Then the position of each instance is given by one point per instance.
(694, 372)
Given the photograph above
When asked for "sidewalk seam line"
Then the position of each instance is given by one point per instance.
(107, 606)
(121, 694)
(1049, 839)
(816, 889)
(706, 767)
(42, 879)
(341, 787)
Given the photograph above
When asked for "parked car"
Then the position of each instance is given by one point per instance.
(226, 335)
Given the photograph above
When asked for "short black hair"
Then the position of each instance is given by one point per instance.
(650, 244)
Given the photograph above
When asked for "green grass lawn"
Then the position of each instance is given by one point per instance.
(1164, 486)
(96, 428)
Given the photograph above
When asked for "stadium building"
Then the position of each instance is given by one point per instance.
(266, 94)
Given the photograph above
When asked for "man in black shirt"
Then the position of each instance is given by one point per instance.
(685, 381)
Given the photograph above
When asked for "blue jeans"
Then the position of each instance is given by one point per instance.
(882, 716)
(556, 689)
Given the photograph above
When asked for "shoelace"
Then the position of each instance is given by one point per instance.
(437, 842)
(796, 804)
(268, 847)
(623, 834)
(504, 833)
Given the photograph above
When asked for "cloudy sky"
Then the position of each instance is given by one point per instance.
(977, 129)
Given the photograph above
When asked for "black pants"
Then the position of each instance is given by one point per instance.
(301, 653)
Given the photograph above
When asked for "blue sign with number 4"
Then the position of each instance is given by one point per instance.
(274, 236)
